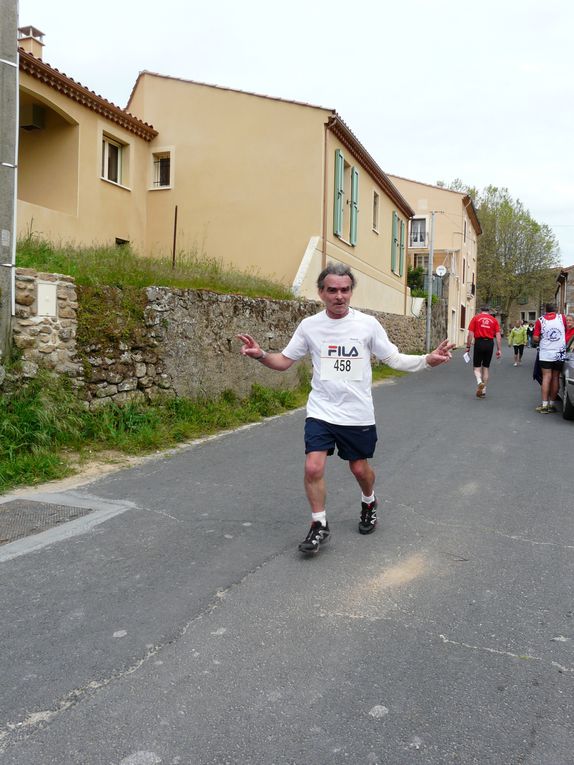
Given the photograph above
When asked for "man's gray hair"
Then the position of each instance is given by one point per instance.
(336, 269)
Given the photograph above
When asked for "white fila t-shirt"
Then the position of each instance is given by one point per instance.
(341, 351)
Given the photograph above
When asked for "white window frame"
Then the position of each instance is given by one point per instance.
(108, 143)
(376, 210)
(418, 244)
(123, 160)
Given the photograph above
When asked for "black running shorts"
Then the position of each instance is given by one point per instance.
(483, 348)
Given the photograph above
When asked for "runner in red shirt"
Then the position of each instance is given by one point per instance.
(483, 330)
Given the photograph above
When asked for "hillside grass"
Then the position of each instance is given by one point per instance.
(122, 267)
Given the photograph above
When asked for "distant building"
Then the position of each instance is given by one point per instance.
(564, 297)
(455, 243)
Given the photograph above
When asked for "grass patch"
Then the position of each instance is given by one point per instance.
(46, 432)
(45, 428)
(122, 267)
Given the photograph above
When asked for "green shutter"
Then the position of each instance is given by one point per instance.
(354, 205)
(394, 243)
(402, 255)
(339, 196)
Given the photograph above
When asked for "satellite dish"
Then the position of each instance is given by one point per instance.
(440, 271)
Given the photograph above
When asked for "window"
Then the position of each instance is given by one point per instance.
(462, 316)
(375, 211)
(113, 159)
(398, 245)
(418, 232)
(464, 232)
(346, 193)
(161, 170)
(422, 261)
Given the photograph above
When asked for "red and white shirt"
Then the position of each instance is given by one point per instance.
(551, 329)
(484, 325)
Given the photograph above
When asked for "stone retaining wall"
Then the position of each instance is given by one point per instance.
(187, 346)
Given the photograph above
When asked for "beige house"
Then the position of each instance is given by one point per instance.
(262, 183)
(72, 184)
(449, 219)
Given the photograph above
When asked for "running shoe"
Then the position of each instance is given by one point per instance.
(544, 409)
(480, 392)
(368, 517)
(318, 535)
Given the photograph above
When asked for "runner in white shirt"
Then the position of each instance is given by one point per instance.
(340, 412)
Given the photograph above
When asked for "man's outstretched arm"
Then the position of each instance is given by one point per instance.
(405, 362)
(251, 348)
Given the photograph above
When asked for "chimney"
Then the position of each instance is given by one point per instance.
(31, 40)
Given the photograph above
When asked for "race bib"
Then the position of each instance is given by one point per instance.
(342, 361)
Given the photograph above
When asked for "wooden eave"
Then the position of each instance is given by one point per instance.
(351, 142)
(472, 214)
(77, 92)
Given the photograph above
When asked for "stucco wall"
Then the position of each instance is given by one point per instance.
(187, 345)
(61, 195)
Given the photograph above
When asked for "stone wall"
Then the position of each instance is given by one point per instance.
(187, 345)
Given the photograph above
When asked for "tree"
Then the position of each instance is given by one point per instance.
(517, 256)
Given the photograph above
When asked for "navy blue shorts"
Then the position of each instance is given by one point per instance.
(353, 442)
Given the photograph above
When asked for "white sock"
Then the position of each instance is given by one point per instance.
(478, 378)
(321, 517)
(545, 403)
(552, 403)
(368, 500)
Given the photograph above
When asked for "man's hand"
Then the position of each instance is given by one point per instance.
(441, 354)
(250, 347)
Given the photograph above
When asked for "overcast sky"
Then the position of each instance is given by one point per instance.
(434, 90)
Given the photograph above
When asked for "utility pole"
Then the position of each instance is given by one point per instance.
(8, 167)
(429, 285)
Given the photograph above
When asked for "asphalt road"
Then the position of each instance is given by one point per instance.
(178, 625)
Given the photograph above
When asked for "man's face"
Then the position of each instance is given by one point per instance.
(336, 295)
(570, 322)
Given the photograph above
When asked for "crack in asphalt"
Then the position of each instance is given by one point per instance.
(14, 732)
(497, 532)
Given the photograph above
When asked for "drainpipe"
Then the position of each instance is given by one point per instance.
(324, 232)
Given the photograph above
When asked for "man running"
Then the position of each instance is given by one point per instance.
(483, 329)
(340, 411)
